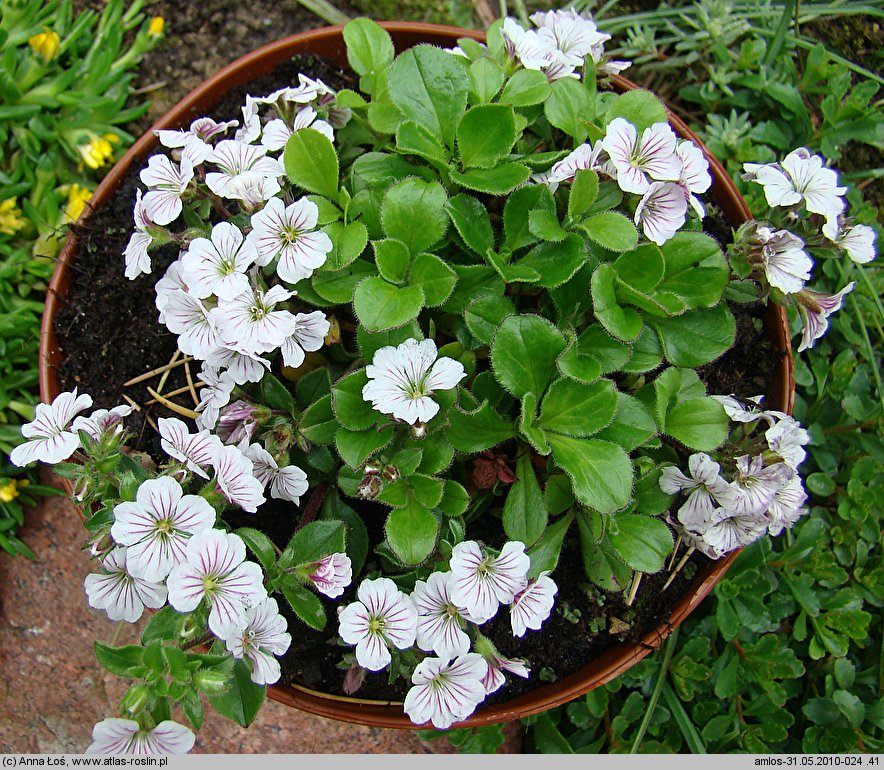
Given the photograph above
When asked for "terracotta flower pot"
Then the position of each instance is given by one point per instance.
(328, 42)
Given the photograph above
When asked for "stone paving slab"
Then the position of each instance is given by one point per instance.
(52, 690)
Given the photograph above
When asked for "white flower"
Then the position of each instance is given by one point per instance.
(216, 570)
(137, 258)
(287, 483)
(215, 394)
(251, 124)
(737, 411)
(171, 281)
(50, 440)
(187, 317)
(858, 241)
(694, 177)
(481, 582)
(310, 333)
(662, 211)
(816, 308)
(800, 178)
(532, 606)
(197, 451)
(218, 266)
(250, 323)
(103, 421)
(526, 46)
(166, 183)
(402, 379)
(252, 190)
(236, 159)
(440, 621)
(383, 617)
(653, 156)
(705, 487)
(306, 91)
(277, 133)
(757, 485)
(445, 692)
(787, 439)
(332, 574)
(158, 526)
(586, 156)
(194, 141)
(786, 507)
(287, 232)
(497, 664)
(118, 593)
(125, 736)
(237, 423)
(242, 365)
(729, 530)
(786, 265)
(236, 478)
(263, 637)
(574, 35)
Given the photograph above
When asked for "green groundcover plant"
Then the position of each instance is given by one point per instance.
(65, 85)
(503, 268)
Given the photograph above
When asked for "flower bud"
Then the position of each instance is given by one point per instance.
(136, 699)
(369, 488)
(419, 429)
(45, 44)
(156, 26)
(391, 473)
(211, 681)
(373, 468)
(11, 220)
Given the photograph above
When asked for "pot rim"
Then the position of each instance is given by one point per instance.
(328, 41)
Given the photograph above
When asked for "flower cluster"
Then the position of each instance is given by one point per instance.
(441, 616)
(764, 494)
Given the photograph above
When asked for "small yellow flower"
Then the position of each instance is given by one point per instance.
(98, 150)
(45, 44)
(78, 197)
(8, 491)
(11, 220)
(156, 26)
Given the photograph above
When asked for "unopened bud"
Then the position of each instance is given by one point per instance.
(211, 681)
(391, 473)
(369, 488)
(373, 468)
(419, 429)
(136, 699)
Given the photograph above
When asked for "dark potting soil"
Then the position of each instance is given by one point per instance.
(108, 333)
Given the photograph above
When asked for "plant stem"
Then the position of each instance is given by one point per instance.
(313, 505)
(668, 652)
(325, 11)
(870, 350)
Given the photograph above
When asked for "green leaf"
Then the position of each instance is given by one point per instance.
(164, 624)
(526, 87)
(305, 604)
(412, 201)
(639, 107)
(470, 219)
(414, 139)
(647, 353)
(578, 367)
(486, 78)
(530, 432)
(350, 408)
(700, 424)
(318, 423)
(369, 47)
(242, 700)
(624, 323)
(393, 259)
(333, 508)
(455, 499)
(276, 395)
(696, 269)
(500, 180)
(119, 660)
(432, 276)
(314, 541)
(697, 337)
(851, 706)
(311, 162)
(380, 305)
(544, 554)
(524, 511)
(485, 134)
(650, 500)
(478, 430)
(485, 315)
(576, 409)
(601, 563)
(524, 353)
(584, 190)
(355, 447)
(313, 386)
(557, 494)
(568, 107)
(348, 243)
(437, 453)
(643, 542)
(517, 210)
(370, 343)
(259, 544)
(338, 287)
(472, 281)
(428, 490)
(611, 230)
(600, 472)
(411, 532)
(545, 226)
(430, 87)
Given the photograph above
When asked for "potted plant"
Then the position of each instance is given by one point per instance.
(457, 324)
